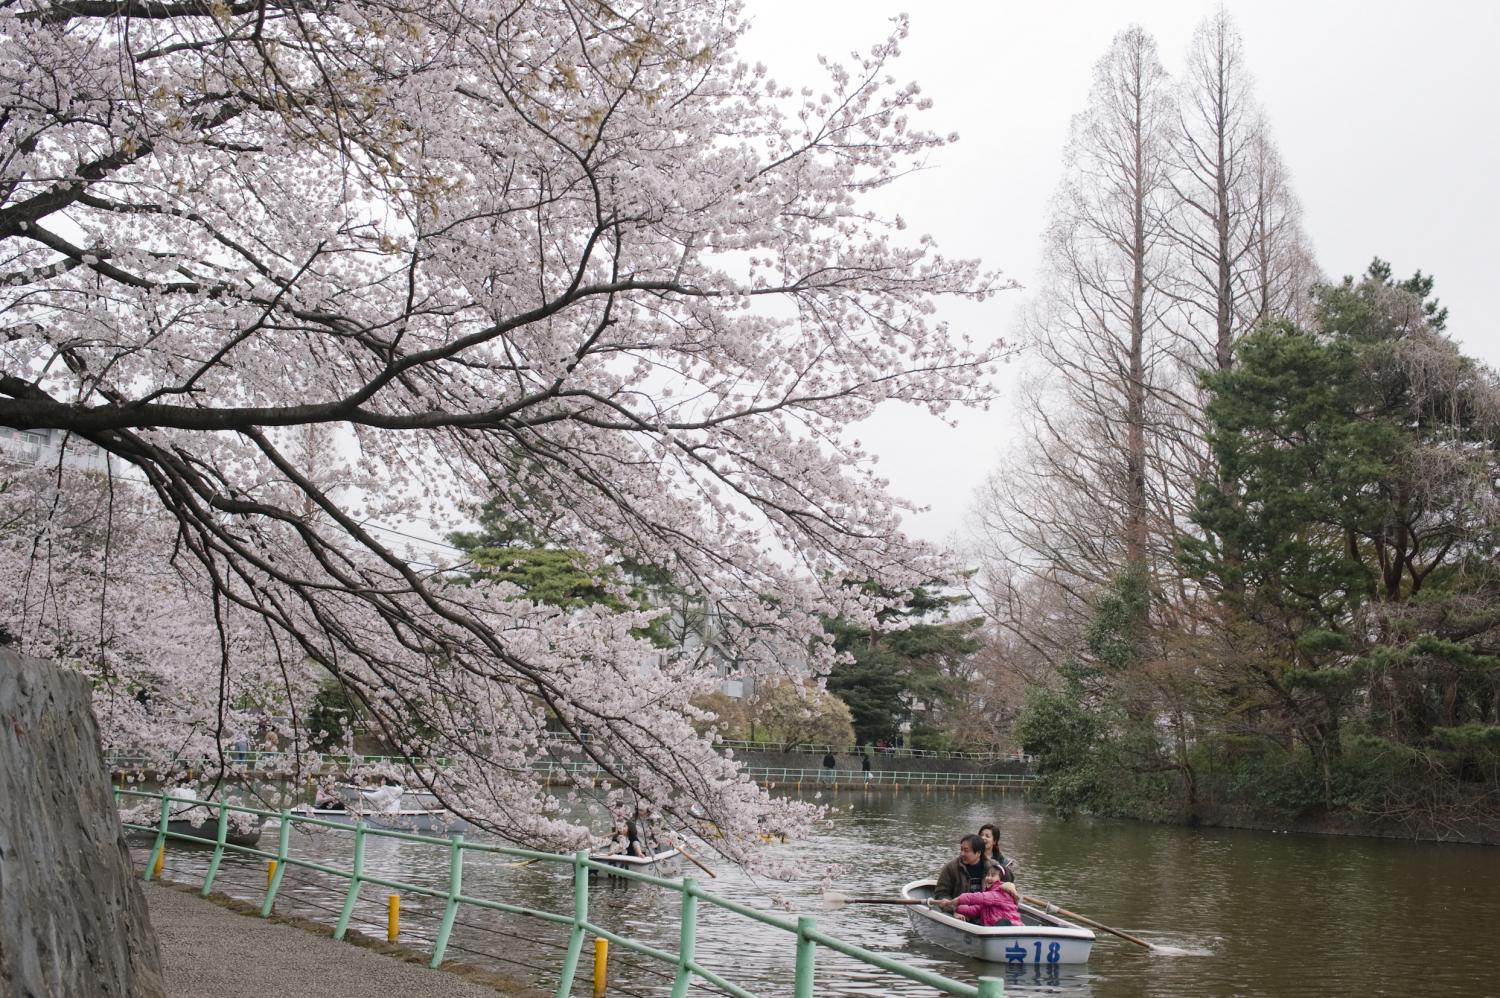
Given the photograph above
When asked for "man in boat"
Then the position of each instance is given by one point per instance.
(965, 874)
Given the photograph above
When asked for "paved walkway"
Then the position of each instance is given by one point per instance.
(212, 952)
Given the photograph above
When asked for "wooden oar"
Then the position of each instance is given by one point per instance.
(836, 900)
(697, 863)
(1049, 906)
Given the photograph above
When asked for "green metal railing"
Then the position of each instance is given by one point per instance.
(262, 760)
(875, 778)
(888, 778)
(889, 752)
(571, 768)
(686, 966)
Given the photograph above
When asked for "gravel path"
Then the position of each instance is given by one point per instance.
(212, 952)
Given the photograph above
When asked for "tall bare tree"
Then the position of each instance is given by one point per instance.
(1236, 225)
(1082, 501)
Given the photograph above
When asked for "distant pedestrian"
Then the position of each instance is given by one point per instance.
(864, 762)
(829, 765)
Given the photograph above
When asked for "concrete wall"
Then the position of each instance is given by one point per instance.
(73, 919)
(879, 762)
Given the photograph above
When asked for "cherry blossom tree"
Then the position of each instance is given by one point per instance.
(310, 269)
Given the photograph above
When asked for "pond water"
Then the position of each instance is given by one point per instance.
(1245, 914)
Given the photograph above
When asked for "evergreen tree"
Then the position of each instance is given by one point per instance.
(1356, 534)
(914, 655)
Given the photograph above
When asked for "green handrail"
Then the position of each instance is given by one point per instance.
(580, 922)
(282, 857)
(356, 877)
(802, 986)
(685, 963)
(686, 939)
(455, 891)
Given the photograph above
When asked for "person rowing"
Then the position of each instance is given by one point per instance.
(965, 873)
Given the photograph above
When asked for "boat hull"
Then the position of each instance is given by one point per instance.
(661, 863)
(1045, 940)
(421, 821)
(208, 829)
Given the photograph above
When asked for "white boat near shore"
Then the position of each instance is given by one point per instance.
(390, 807)
(1044, 939)
(205, 826)
(198, 823)
(659, 864)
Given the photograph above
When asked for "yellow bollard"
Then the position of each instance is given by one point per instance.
(270, 871)
(393, 918)
(601, 966)
(156, 870)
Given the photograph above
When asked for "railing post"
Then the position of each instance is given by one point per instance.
(991, 987)
(688, 938)
(356, 876)
(161, 837)
(802, 986)
(455, 891)
(213, 864)
(580, 920)
(283, 842)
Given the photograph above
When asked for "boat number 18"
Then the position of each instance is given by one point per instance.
(1016, 953)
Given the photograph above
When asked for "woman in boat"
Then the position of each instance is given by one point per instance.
(990, 834)
(994, 905)
(638, 832)
(619, 836)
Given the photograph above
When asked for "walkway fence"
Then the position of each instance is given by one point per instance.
(569, 769)
(802, 933)
(260, 759)
(888, 780)
(333, 762)
(844, 779)
(890, 752)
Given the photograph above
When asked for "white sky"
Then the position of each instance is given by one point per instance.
(1387, 115)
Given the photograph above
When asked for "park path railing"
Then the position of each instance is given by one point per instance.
(844, 778)
(888, 752)
(803, 931)
(888, 779)
(264, 760)
(561, 769)
(260, 759)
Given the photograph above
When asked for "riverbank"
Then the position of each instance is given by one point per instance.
(1473, 831)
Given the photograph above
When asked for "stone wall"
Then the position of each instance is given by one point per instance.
(73, 919)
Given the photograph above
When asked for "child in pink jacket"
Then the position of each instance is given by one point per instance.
(995, 905)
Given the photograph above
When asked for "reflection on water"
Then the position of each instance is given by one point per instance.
(1247, 914)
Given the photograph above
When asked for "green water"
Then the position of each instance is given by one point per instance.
(1245, 914)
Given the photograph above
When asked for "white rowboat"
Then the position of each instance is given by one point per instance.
(660, 863)
(1044, 939)
(243, 833)
(390, 807)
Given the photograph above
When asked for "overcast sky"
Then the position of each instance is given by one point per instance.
(1387, 114)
